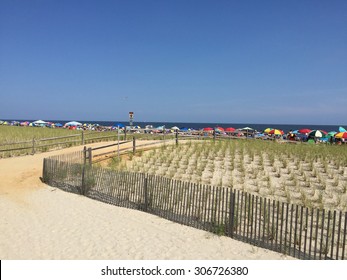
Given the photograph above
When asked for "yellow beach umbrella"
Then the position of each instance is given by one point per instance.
(276, 132)
(341, 135)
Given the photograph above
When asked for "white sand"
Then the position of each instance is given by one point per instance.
(41, 222)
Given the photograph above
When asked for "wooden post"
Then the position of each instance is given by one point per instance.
(134, 145)
(176, 136)
(231, 213)
(125, 134)
(145, 190)
(82, 137)
(83, 169)
(214, 134)
(90, 156)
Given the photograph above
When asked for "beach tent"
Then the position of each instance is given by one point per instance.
(73, 123)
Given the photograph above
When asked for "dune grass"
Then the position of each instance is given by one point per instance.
(27, 140)
(309, 175)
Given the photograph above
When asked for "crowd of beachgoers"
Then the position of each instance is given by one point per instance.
(301, 134)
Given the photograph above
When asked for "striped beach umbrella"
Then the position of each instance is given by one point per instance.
(220, 129)
(276, 132)
(341, 135)
(317, 133)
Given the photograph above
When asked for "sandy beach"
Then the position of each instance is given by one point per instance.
(44, 223)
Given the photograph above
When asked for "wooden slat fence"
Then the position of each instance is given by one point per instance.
(287, 228)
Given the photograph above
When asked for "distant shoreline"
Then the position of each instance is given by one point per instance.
(197, 126)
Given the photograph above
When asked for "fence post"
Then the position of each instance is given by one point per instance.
(214, 134)
(134, 145)
(231, 213)
(84, 170)
(145, 190)
(33, 150)
(90, 156)
(82, 137)
(125, 134)
(176, 136)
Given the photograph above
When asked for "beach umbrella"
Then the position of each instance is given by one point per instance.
(58, 125)
(317, 133)
(331, 133)
(120, 125)
(276, 132)
(24, 123)
(341, 135)
(73, 123)
(175, 128)
(267, 130)
(305, 130)
(246, 128)
(207, 129)
(230, 129)
(40, 123)
(219, 129)
(341, 129)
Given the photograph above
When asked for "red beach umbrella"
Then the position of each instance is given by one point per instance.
(230, 129)
(305, 130)
(207, 129)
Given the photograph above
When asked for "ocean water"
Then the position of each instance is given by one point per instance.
(258, 127)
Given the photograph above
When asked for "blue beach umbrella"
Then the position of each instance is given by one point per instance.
(120, 125)
(341, 129)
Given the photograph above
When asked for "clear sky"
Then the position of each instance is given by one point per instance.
(226, 61)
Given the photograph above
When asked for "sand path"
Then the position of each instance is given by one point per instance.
(41, 222)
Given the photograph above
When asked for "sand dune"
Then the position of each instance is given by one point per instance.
(41, 222)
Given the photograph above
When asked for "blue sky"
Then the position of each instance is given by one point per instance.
(174, 60)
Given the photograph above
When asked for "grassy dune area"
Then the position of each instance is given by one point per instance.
(309, 175)
(15, 140)
(10, 134)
